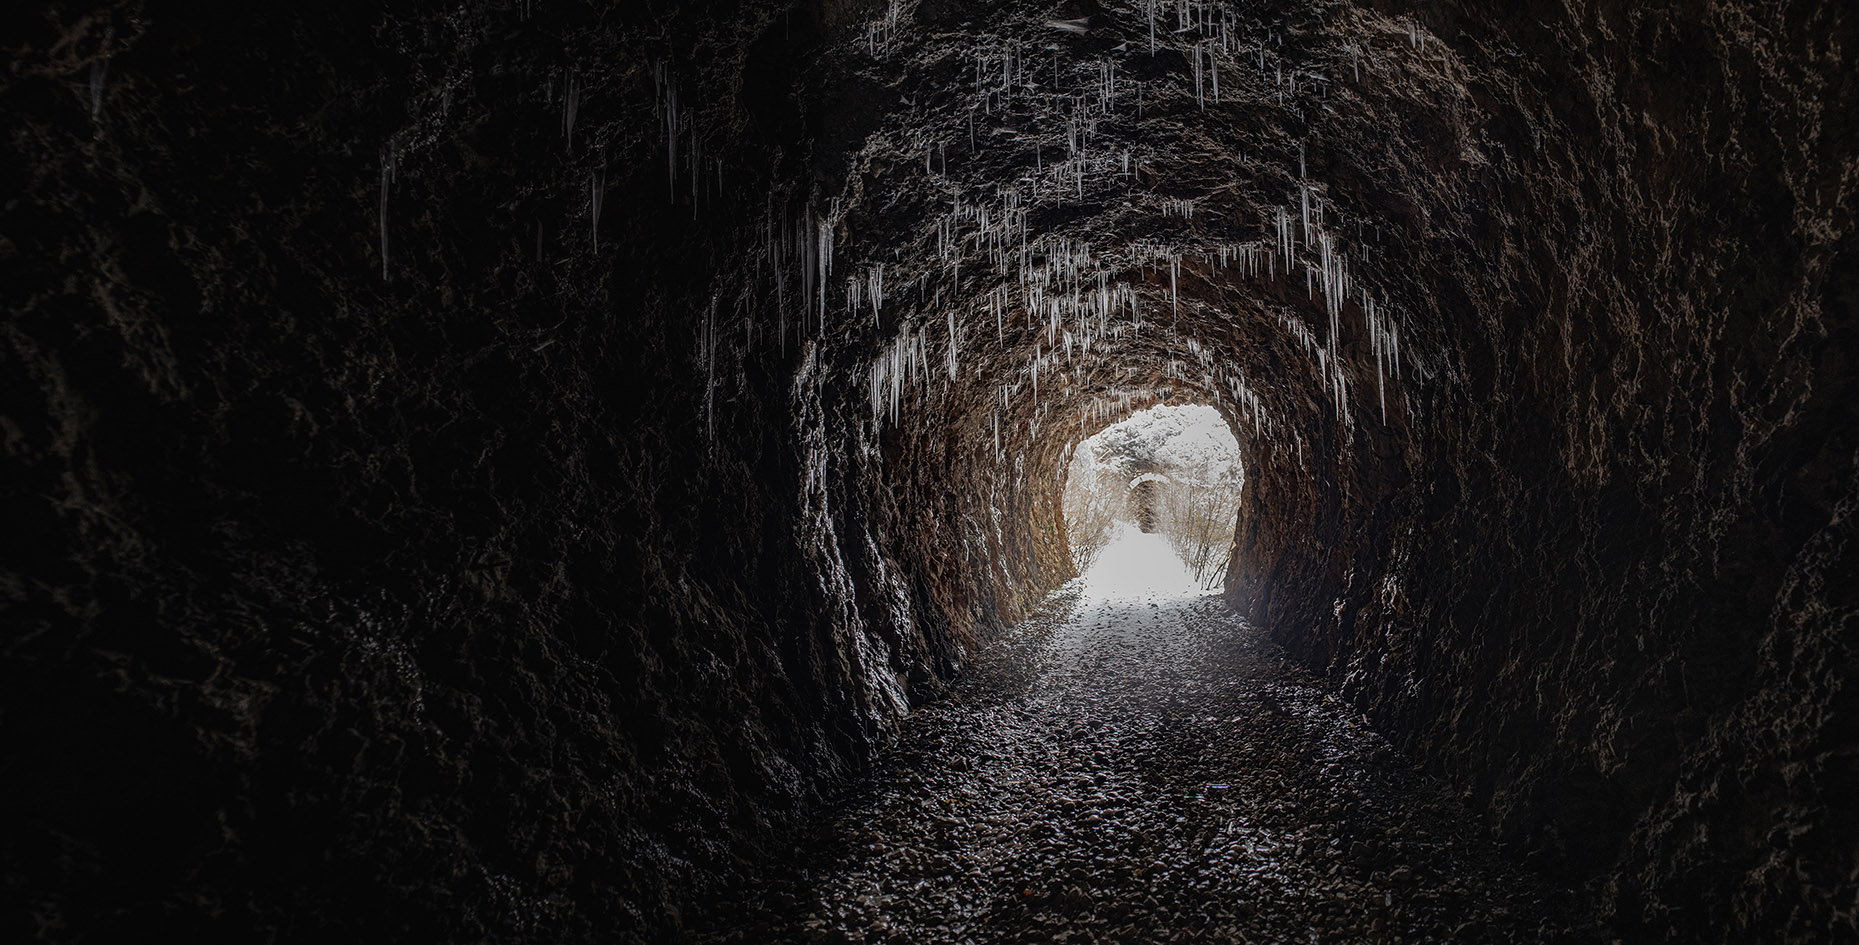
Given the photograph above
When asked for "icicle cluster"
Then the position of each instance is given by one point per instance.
(1052, 295)
(1385, 342)
(684, 143)
(880, 33)
(1173, 207)
(793, 265)
(866, 287)
(905, 363)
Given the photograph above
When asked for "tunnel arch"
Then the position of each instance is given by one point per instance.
(1143, 499)
(1388, 422)
(1172, 466)
(1120, 263)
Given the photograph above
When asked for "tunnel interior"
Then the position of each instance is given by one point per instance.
(1143, 502)
(492, 471)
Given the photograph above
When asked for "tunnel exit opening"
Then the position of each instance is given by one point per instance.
(1169, 471)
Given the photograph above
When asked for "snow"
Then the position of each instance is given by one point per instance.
(1137, 567)
(1190, 436)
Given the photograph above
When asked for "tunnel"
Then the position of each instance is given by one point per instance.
(1144, 498)
(511, 470)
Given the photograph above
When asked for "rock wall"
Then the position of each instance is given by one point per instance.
(402, 546)
(1600, 580)
(481, 471)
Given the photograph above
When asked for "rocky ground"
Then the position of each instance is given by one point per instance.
(1136, 764)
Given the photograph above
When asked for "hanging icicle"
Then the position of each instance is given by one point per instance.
(388, 157)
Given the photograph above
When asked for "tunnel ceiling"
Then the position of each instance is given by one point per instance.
(518, 458)
(1099, 200)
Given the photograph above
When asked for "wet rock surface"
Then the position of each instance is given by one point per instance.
(1144, 768)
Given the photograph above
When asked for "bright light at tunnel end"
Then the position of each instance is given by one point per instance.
(1138, 566)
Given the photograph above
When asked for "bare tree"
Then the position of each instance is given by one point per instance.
(1200, 507)
(1094, 501)
(1176, 469)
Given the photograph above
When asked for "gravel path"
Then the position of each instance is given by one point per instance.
(1136, 765)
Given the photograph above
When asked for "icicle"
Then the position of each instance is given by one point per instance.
(875, 280)
(709, 347)
(1174, 270)
(1377, 342)
(99, 71)
(952, 346)
(825, 264)
(387, 179)
(1199, 102)
(696, 159)
(671, 136)
(571, 105)
(596, 195)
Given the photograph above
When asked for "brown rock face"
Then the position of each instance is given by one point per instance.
(478, 472)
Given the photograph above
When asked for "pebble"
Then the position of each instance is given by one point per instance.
(1143, 772)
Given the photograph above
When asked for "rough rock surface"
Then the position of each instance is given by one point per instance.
(477, 471)
(1143, 767)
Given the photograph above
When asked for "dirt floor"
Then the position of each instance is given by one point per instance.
(1136, 764)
